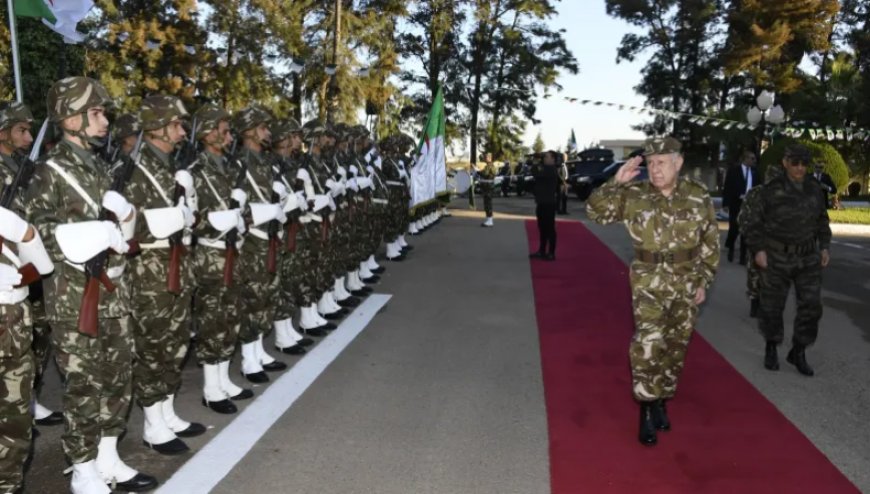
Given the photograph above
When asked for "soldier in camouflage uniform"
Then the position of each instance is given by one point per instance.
(788, 232)
(97, 371)
(487, 184)
(260, 288)
(404, 145)
(393, 180)
(125, 132)
(287, 147)
(217, 297)
(15, 140)
(160, 318)
(753, 275)
(345, 221)
(371, 163)
(675, 235)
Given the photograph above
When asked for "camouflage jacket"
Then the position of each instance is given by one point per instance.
(51, 201)
(784, 212)
(15, 333)
(215, 179)
(151, 267)
(656, 223)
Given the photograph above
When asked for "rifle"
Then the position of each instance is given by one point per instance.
(26, 167)
(293, 225)
(272, 255)
(95, 269)
(185, 155)
(231, 252)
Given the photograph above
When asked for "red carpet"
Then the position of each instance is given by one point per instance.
(727, 437)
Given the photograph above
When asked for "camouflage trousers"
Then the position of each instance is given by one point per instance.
(97, 378)
(664, 320)
(305, 266)
(753, 279)
(259, 292)
(805, 273)
(41, 334)
(162, 339)
(16, 420)
(216, 312)
(285, 303)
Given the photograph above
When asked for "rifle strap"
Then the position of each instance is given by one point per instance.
(213, 190)
(155, 183)
(8, 254)
(72, 182)
(256, 187)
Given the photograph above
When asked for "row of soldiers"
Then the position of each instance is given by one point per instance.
(167, 223)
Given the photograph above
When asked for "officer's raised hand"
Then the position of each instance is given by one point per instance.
(629, 170)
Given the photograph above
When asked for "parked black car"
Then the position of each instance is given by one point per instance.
(593, 175)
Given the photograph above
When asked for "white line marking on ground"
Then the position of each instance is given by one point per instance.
(217, 458)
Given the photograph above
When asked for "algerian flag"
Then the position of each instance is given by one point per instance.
(429, 174)
(572, 142)
(62, 16)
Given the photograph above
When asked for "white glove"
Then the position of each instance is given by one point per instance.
(354, 170)
(379, 162)
(116, 238)
(12, 227)
(241, 226)
(184, 179)
(280, 189)
(240, 197)
(353, 184)
(189, 218)
(9, 278)
(116, 203)
(303, 204)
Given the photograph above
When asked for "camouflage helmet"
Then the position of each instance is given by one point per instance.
(284, 128)
(343, 131)
(360, 131)
(250, 117)
(313, 129)
(126, 125)
(403, 143)
(13, 112)
(75, 95)
(159, 110)
(208, 117)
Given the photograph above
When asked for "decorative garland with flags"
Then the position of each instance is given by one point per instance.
(813, 131)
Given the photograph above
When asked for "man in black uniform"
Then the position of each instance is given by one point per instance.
(546, 190)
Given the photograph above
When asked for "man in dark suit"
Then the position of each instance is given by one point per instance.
(738, 180)
(830, 190)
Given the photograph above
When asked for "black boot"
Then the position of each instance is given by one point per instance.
(647, 434)
(537, 255)
(140, 482)
(730, 254)
(753, 307)
(660, 415)
(771, 359)
(797, 357)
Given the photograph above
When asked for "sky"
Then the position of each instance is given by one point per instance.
(593, 38)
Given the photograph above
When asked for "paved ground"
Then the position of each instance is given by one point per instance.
(442, 392)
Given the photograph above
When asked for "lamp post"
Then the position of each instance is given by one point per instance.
(764, 111)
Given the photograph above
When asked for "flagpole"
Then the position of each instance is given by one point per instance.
(16, 64)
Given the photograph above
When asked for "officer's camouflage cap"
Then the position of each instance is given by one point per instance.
(126, 125)
(661, 145)
(343, 131)
(208, 117)
(313, 129)
(798, 152)
(75, 95)
(13, 112)
(250, 117)
(159, 110)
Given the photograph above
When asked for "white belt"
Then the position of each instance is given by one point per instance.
(395, 183)
(164, 244)
(308, 218)
(217, 243)
(259, 233)
(485, 181)
(113, 272)
(14, 296)
(380, 201)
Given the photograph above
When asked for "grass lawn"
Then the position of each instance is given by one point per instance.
(855, 216)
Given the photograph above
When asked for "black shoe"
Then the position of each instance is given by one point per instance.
(349, 302)
(753, 307)
(139, 483)
(797, 357)
(256, 378)
(329, 326)
(225, 407)
(245, 394)
(193, 430)
(304, 342)
(173, 447)
(334, 316)
(730, 255)
(398, 258)
(549, 257)
(293, 350)
(371, 280)
(660, 415)
(771, 359)
(407, 248)
(275, 366)
(647, 433)
(314, 331)
(56, 418)
(537, 255)
(378, 270)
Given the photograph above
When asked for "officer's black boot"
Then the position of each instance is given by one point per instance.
(660, 415)
(647, 434)
(771, 359)
(753, 307)
(797, 357)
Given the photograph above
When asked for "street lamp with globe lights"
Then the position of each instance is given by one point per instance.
(763, 113)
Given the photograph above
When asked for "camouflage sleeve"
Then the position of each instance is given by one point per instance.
(42, 212)
(750, 208)
(824, 232)
(606, 203)
(708, 260)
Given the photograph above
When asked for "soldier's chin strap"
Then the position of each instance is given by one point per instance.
(82, 134)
